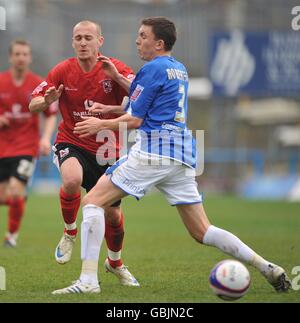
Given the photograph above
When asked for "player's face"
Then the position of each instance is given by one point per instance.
(20, 57)
(86, 41)
(147, 46)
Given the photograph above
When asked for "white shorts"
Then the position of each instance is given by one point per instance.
(136, 179)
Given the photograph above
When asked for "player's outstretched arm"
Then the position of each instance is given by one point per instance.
(91, 126)
(111, 71)
(102, 108)
(41, 103)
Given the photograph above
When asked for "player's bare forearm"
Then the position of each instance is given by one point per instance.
(102, 108)
(41, 103)
(124, 82)
(38, 104)
(91, 126)
(113, 124)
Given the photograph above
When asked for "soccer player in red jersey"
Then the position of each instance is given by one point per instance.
(20, 141)
(80, 83)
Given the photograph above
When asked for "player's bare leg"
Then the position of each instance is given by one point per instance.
(70, 203)
(15, 199)
(201, 230)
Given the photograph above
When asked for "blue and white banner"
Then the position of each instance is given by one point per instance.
(258, 64)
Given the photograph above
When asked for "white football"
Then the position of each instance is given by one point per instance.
(229, 280)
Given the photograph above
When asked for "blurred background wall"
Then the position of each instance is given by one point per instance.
(244, 60)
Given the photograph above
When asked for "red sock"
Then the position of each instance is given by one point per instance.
(69, 207)
(114, 236)
(15, 214)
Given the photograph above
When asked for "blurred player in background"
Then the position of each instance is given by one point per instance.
(158, 103)
(20, 141)
(80, 84)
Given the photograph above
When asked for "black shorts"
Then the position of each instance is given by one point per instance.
(92, 171)
(20, 167)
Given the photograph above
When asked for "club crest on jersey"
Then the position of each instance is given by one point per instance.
(63, 153)
(107, 86)
(136, 93)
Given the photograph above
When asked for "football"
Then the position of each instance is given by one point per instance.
(229, 280)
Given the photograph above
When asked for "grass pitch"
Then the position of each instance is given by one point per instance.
(169, 265)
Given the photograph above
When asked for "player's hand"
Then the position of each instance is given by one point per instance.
(99, 108)
(88, 127)
(53, 94)
(45, 147)
(108, 67)
(4, 122)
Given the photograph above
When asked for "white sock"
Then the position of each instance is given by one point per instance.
(230, 244)
(114, 255)
(92, 235)
(71, 226)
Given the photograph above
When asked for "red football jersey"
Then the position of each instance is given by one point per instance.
(22, 136)
(80, 91)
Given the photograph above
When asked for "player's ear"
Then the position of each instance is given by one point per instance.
(101, 41)
(160, 45)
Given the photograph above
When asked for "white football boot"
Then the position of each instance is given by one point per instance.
(122, 273)
(278, 278)
(10, 240)
(63, 251)
(78, 288)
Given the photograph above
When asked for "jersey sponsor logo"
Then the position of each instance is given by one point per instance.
(136, 93)
(39, 88)
(17, 114)
(63, 153)
(70, 89)
(107, 86)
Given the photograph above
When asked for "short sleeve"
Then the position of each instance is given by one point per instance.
(53, 79)
(144, 90)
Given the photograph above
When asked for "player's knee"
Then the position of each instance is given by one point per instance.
(16, 194)
(72, 184)
(90, 199)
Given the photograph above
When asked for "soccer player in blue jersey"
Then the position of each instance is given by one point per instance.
(163, 152)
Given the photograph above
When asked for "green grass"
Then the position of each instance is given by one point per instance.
(170, 266)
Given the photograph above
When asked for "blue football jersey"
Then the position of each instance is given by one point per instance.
(158, 95)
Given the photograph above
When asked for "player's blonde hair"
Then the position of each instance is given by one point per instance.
(22, 42)
(88, 22)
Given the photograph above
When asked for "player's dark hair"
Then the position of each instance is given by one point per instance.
(163, 29)
(22, 42)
